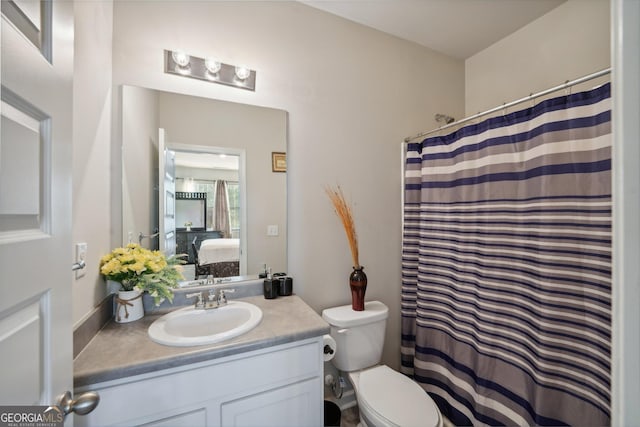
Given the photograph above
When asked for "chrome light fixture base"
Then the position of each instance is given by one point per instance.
(196, 68)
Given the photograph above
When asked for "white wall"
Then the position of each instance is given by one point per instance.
(139, 165)
(570, 41)
(91, 147)
(352, 95)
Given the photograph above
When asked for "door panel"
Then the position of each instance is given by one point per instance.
(33, 19)
(24, 329)
(35, 201)
(25, 146)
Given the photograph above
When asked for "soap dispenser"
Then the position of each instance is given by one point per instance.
(263, 274)
(271, 286)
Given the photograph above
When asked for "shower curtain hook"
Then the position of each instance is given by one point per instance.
(567, 88)
(533, 99)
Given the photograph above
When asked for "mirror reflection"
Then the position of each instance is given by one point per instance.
(208, 216)
(207, 192)
(223, 203)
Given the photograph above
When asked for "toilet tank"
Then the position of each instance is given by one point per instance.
(359, 335)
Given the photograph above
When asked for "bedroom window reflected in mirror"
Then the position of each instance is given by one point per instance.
(230, 206)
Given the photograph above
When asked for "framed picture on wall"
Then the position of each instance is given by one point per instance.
(279, 162)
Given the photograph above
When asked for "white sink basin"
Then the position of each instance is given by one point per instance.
(190, 326)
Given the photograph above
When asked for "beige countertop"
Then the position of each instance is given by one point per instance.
(122, 350)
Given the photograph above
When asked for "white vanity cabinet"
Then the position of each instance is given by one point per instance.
(273, 386)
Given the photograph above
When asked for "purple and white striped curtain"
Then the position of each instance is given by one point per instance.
(506, 272)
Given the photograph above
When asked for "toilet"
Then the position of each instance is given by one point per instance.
(385, 397)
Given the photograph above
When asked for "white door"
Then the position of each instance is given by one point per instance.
(167, 196)
(35, 202)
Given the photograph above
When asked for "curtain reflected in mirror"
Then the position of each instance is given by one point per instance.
(222, 209)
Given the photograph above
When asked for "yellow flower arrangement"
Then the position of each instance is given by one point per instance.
(135, 267)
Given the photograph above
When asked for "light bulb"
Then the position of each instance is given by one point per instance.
(180, 58)
(212, 65)
(242, 72)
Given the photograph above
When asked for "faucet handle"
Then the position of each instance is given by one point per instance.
(199, 301)
(222, 298)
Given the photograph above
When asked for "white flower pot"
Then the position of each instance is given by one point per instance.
(129, 306)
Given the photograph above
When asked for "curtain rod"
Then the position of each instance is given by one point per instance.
(516, 102)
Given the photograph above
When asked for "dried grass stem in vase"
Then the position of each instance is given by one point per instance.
(343, 210)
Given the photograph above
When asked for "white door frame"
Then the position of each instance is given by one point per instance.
(625, 360)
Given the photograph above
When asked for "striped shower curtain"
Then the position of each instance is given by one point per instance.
(506, 272)
(222, 221)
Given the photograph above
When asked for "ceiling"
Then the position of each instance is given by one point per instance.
(458, 28)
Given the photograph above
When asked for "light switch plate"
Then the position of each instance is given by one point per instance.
(272, 230)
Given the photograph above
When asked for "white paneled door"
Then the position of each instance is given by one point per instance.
(35, 202)
(167, 190)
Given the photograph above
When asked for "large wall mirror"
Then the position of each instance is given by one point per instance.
(220, 199)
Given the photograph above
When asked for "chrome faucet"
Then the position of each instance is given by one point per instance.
(207, 300)
(200, 301)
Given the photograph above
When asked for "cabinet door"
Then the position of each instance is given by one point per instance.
(296, 405)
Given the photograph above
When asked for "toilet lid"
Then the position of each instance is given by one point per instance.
(396, 398)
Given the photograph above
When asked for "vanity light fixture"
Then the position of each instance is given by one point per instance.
(209, 69)
(182, 62)
(180, 58)
(212, 65)
(242, 73)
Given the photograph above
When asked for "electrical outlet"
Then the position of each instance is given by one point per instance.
(81, 255)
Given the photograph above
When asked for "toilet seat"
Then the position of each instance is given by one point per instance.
(389, 398)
